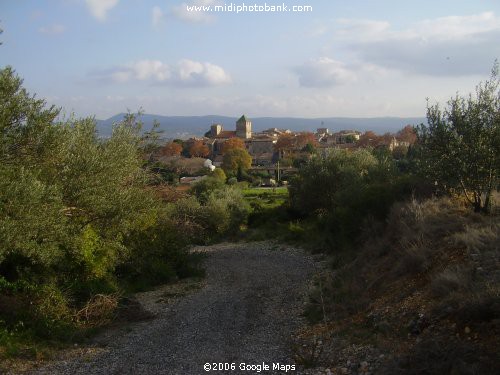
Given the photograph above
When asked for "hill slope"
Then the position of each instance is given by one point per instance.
(423, 298)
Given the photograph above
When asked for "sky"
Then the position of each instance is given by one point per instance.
(358, 58)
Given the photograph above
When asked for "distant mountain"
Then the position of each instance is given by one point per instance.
(188, 126)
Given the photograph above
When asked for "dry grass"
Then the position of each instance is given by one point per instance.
(452, 279)
(479, 237)
(98, 311)
(436, 260)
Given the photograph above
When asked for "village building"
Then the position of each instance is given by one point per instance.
(395, 143)
(244, 128)
(259, 145)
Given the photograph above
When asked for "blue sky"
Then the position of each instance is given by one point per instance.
(360, 58)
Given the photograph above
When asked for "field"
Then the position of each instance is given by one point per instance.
(266, 198)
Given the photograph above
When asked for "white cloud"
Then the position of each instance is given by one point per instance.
(142, 70)
(457, 27)
(52, 29)
(182, 13)
(324, 72)
(360, 29)
(186, 73)
(446, 46)
(100, 8)
(157, 17)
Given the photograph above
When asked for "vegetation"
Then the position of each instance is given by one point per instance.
(460, 146)
(80, 224)
(171, 149)
(420, 288)
(236, 160)
(269, 217)
(233, 143)
(198, 149)
(341, 190)
(413, 270)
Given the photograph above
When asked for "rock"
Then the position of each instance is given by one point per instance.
(467, 330)
(344, 370)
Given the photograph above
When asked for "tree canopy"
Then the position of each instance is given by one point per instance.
(198, 149)
(236, 160)
(233, 143)
(171, 149)
(460, 145)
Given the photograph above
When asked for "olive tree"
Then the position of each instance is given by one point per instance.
(460, 145)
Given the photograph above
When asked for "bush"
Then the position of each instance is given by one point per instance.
(203, 188)
(156, 253)
(219, 174)
(235, 204)
(221, 210)
(341, 190)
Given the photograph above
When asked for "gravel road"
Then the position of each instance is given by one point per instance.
(245, 312)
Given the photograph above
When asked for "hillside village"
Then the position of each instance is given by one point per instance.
(273, 150)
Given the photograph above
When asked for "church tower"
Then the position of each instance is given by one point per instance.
(244, 128)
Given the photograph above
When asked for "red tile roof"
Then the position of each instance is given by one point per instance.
(226, 134)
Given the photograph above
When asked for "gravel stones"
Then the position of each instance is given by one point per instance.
(246, 312)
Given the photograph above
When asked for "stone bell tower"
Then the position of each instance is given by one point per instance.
(244, 128)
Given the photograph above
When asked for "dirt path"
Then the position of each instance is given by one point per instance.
(245, 313)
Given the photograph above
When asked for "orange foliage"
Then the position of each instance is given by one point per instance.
(171, 149)
(304, 138)
(284, 142)
(199, 149)
(233, 143)
(369, 138)
(407, 134)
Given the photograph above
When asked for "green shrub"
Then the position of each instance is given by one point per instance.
(224, 211)
(203, 188)
(76, 217)
(344, 188)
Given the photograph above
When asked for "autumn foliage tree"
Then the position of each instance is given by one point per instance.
(407, 134)
(171, 149)
(199, 149)
(233, 143)
(369, 139)
(284, 143)
(305, 138)
(236, 160)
